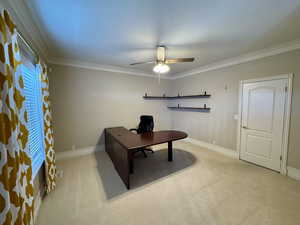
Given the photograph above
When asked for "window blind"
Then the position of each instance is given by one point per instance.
(33, 104)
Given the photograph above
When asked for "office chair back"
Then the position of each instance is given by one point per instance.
(146, 124)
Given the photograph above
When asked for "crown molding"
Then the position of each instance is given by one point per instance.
(96, 66)
(286, 47)
(27, 26)
(252, 56)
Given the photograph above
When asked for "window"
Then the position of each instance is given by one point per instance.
(33, 104)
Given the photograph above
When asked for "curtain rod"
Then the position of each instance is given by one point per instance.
(26, 43)
(32, 51)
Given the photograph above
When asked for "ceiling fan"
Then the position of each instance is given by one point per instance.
(161, 62)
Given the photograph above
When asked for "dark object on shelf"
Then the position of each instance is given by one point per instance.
(176, 97)
(200, 109)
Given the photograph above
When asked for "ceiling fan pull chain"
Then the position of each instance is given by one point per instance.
(159, 78)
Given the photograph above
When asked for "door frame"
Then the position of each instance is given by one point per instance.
(287, 115)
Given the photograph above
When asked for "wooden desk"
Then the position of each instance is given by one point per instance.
(120, 144)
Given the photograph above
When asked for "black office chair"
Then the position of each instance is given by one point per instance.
(146, 125)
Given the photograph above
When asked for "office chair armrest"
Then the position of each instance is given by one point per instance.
(133, 129)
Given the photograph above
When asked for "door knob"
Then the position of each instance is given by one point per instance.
(245, 127)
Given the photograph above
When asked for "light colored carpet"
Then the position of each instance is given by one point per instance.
(198, 187)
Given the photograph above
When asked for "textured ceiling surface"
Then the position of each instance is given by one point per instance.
(120, 32)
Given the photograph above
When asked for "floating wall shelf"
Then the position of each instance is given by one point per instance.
(164, 97)
(175, 97)
(191, 96)
(157, 97)
(201, 109)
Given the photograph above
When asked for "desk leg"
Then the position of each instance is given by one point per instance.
(170, 151)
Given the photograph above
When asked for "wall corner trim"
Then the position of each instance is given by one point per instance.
(293, 173)
(225, 151)
(79, 152)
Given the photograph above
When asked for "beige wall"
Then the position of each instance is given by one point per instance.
(84, 102)
(219, 126)
(4, 4)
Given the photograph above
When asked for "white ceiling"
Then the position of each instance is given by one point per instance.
(120, 32)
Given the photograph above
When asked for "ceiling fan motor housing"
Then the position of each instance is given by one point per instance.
(161, 54)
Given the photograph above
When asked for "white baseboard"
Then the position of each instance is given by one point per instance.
(293, 173)
(79, 152)
(225, 151)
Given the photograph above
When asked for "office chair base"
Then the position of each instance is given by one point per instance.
(144, 151)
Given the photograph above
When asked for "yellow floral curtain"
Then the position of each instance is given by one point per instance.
(16, 188)
(48, 131)
(16, 181)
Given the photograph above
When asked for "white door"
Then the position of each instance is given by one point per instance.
(263, 111)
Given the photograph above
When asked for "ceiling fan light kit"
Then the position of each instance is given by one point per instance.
(161, 68)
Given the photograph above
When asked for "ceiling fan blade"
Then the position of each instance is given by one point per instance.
(138, 63)
(179, 60)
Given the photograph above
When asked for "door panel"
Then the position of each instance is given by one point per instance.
(261, 105)
(263, 111)
(259, 146)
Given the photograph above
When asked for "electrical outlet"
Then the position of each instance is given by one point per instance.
(214, 142)
(73, 147)
(60, 174)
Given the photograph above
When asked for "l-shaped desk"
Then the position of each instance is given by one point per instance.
(120, 144)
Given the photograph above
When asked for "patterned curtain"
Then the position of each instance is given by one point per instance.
(48, 131)
(16, 189)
